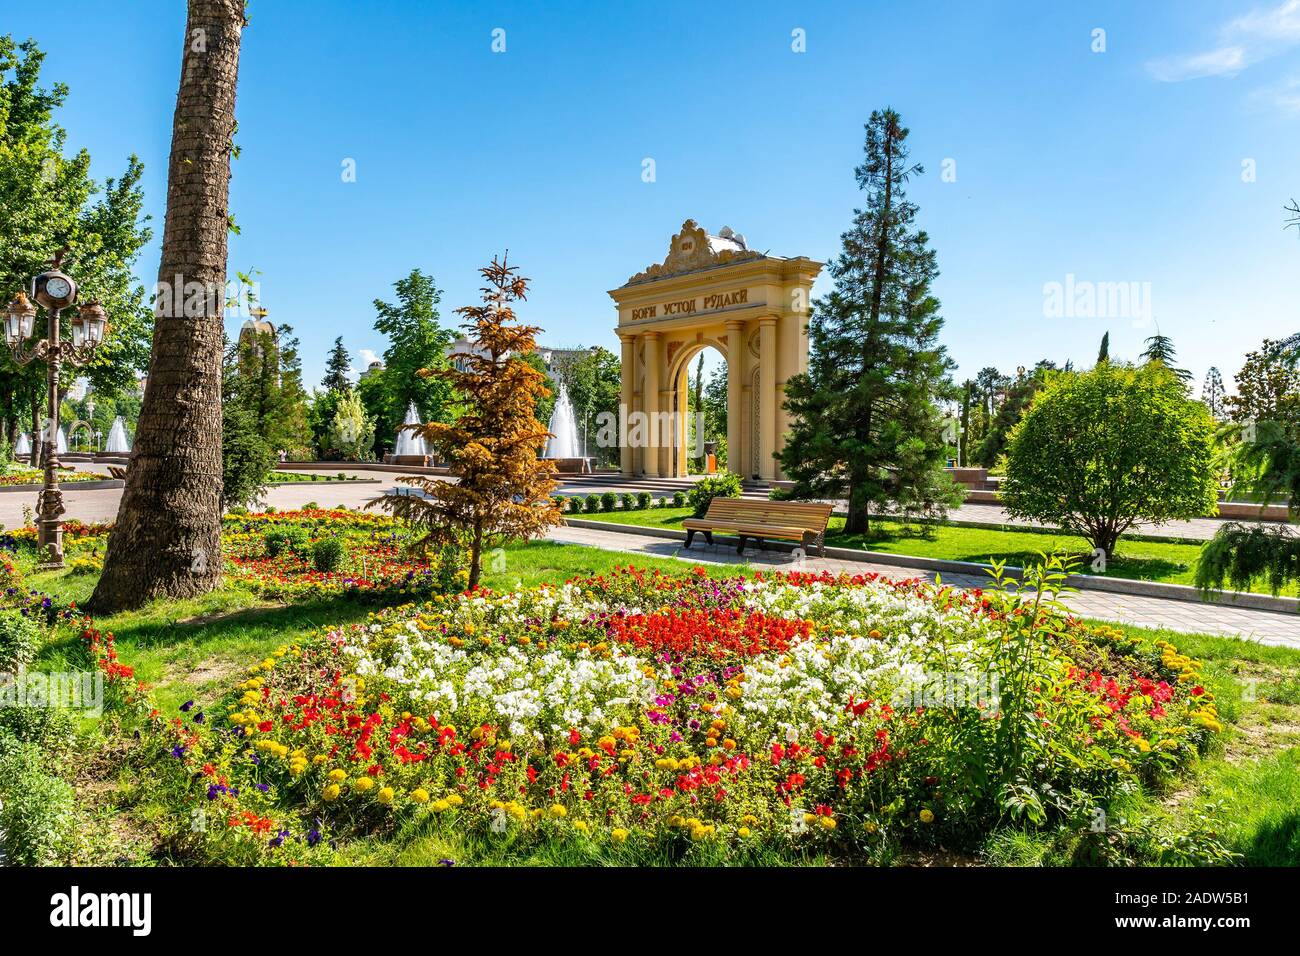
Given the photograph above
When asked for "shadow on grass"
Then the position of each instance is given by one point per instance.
(1275, 843)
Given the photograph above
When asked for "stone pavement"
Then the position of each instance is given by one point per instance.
(1268, 627)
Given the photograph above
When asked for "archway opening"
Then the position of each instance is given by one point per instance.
(700, 405)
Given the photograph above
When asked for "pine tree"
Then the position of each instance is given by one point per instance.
(502, 489)
(1160, 348)
(1103, 353)
(336, 368)
(1212, 392)
(867, 426)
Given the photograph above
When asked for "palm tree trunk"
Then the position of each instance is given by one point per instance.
(167, 539)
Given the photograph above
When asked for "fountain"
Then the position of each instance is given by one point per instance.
(23, 446)
(117, 438)
(563, 446)
(61, 444)
(410, 448)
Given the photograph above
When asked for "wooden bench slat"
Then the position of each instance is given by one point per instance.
(794, 520)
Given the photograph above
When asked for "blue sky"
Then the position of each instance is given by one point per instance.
(1117, 166)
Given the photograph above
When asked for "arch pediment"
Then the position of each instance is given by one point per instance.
(693, 249)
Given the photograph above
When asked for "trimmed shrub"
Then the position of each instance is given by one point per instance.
(723, 485)
(327, 555)
(593, 503)
(643, 499)
(679, 499)
(628, 500)
(608, 501)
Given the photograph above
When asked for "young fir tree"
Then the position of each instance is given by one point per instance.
(502, 489)
(1103, 353)
(867, 426)
(1160, 348)
(336, 368)
(1212, 393)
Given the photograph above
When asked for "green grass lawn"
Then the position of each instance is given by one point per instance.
(191, 649)
(1169, 562)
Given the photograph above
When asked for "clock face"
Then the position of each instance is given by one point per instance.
(58, 288)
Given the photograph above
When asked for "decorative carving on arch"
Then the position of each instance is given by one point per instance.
(672, 350)
(690, 250)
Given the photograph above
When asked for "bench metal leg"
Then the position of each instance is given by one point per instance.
(740, 545)
(708, 537)
(690, 536)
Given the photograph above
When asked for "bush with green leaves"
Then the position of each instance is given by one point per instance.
(561, 502)
(643, 499)
(1101, 450)
(628, 500)
(723, 485)
(20, 638)
(608, 501)
(592, 503)
(38, 815)
(327, 555)
(291, 539)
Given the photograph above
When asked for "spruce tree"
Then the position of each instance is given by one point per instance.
(336, 368)
(1212, 393)
(1160, 348)
(867, 426)
(1103, 353)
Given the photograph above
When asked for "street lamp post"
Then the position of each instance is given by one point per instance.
(56, 291)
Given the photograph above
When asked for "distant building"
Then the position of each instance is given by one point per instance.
(372, 368)
(78, 390)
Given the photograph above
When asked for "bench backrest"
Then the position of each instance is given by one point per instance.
(812, 515)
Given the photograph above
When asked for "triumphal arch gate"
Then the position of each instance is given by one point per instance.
(711, 291)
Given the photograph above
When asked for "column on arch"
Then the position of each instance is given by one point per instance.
(735, 394)
(627, 454)
(767, 379)
(650, 405)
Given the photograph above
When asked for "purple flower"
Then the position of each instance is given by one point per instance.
(185, 707)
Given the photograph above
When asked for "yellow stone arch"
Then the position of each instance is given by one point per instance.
(751, 307)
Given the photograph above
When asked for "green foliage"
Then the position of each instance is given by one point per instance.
(336, 368)
(1103, 449)
(722, 485)
(263, 378)
(866, 423)
(592, 503)
(47, 201)
(628, 500)
(416, 341)
(1243, 555)
(291, 538)
(246, 456)
(643, 499)
(595, 383)
(37, 819)
(352, 431)
(20, 636)
(327, 555)
(608, 501)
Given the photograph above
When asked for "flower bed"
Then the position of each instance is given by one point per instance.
(25, 475)
(373, 562)
(636, 709)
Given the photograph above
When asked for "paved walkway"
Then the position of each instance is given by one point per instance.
(1268, 627)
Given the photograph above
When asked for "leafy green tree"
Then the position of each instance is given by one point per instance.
(266, 381)
(352, 432)
(1017, 396)
(247, 456)
(1100, 450)
(594, 382)
(49, 201)
(1268, 381)
(1212, 393)
(867, 426)
(416, 341)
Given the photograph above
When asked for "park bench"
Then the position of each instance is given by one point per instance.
(117, 471)
(802, 521)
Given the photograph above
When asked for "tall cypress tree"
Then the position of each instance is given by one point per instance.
(867, 426)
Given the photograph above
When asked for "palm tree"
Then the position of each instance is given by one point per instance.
(167, 539)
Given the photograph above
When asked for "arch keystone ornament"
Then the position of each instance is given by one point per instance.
(711, 290)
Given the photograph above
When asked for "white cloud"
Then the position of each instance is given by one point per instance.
(1283, 97)
(1243, 42)
(364, 358)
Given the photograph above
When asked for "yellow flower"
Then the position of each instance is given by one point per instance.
(420, 795)
(580, 826)
(558, 810)
(742, 832)
(455, 800)
(331, 793)
(385, 795)
(828, 823)
(927, 816)
(364, 785)
(336, 775)
(618, 835)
